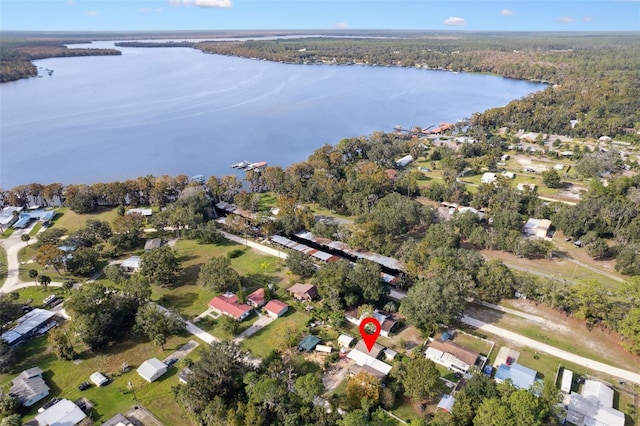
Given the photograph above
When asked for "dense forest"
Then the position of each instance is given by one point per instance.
(594, 79)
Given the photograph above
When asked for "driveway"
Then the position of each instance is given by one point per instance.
(260, 323)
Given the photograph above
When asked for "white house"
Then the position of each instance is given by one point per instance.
(594, 407)
(451, 355)
(141, 212)
(63, 413)
(488, 178)
(537, 228)
(132, 264)
(404, 161)
(151, 369)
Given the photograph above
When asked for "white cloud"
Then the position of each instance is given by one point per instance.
(340, 25)
(587, 19)
(454, 21)
(92, 13)
(506, 12)
(71, 3)
(565, 20)
(223, 4)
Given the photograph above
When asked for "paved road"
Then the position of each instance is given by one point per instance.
(627, 375)
(12, 246)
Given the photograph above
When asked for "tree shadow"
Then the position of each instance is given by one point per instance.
(180, 301)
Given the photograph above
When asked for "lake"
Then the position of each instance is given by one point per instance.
(180, 111)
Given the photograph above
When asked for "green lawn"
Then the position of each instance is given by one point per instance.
(7, 233)
(36, 294)
(35, 229)
(3, 265)
(261, 343)
(64, 377)
(471, 342)
(73, 222)
(190, 299)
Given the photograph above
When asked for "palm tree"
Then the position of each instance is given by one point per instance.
(25, 238)
(33, 274)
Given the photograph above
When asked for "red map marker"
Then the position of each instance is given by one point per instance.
(369, 339)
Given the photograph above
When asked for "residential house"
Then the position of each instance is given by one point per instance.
(141, 212)
(152, 243)
(537, 228)
(451, 355)
(132, 264)
(227, 304)
(388, 321)
(594, 407)
(29, 387)
(303, 291)
(524, 186)
(368, 360)
(8, 216)
(324, 349)
(488, 178)
(521, 377)
(404, 161)
(257, 298)
(34, 323)
(276, 308)
(151, 369)
(62, 413)
(509, 175)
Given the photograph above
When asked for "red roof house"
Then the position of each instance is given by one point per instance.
(228, 305)
(276, 308)
(256, 299)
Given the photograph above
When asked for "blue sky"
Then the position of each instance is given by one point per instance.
(469, 15)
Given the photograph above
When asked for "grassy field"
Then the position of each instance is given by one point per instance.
(3, 266)
(73, 222)
(261, 343)
(63, 377)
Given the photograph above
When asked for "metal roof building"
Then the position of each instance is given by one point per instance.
(28, 326)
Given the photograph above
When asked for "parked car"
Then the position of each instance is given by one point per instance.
(171, 361)
(84, 386)
(577, 243)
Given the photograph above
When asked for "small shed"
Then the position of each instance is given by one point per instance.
(152, 243)
(345, 341)
(151, 369)
(446, 403)
(98, 379)
(323, 348)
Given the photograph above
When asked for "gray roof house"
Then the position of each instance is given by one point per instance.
(29, 387)
(151, 369)
(63, 413)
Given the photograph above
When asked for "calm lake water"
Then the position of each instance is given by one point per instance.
(179, 111)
